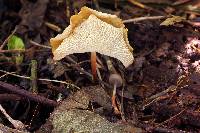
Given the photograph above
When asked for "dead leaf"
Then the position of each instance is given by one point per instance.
(172, 20)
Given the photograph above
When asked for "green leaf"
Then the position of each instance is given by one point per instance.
(172, 20)
(15, 43)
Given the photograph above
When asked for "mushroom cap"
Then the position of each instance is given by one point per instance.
(95, 33)
(115, 79)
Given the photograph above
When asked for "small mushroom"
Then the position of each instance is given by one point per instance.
(93, 31)
(116, 81)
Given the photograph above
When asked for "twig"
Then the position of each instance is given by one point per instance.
(79, 63)
(58, 81)
(41, 79)
(6, 40)
(172, 88)
(27, 94)
(5, 75)
(12, 51)
(16, 123)
(169, 89)
(99, 76)
(77, 66)
(37, 44)
(171, 118)
(134, 20)
(138, 4)
(12, 73)
(53, 26)
(167, 130)
(33, 77)
(110, 66)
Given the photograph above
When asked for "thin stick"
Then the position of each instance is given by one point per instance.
(99, 76)
(33, 77)
(138, 4)
(37, 44)
(6, 40)
(134, 20)
(110, 66)
(41, 79)
(122, 105)
(53, 26)
(4, 75)
(77, 66)
(16, 123)
(11, 73)
(13, 51)
(171, 118)
(169, 89)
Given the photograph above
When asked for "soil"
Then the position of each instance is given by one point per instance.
(160, 89)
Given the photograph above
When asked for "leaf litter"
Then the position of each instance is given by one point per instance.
(161, 91)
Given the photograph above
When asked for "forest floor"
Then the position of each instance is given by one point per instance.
(161, 89)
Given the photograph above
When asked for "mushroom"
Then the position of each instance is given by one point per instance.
(93, 31)
(115, 80)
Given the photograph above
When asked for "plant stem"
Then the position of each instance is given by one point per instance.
(33, 77)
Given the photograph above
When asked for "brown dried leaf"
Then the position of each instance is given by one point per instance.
(172, 20)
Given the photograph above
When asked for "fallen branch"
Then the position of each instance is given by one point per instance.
(9, 97)
(29, 95)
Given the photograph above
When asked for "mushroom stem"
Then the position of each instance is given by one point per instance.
(93, 65)
(116, 110)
